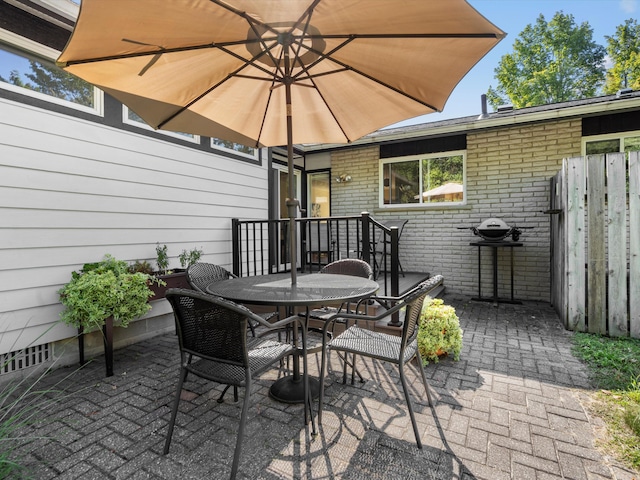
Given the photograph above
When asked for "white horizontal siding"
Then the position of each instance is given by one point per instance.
(72, 190)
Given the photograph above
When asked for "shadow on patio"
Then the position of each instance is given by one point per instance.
(509, 409)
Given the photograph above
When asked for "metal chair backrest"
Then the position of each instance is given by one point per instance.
(349, 266)
(201, 274)
(210, 327)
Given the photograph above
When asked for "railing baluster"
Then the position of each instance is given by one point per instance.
(351, 235)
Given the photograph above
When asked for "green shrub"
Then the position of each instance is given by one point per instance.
(439, 331)
(105, 289)
(141, 266)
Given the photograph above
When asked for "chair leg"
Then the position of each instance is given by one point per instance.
(174, 412)
(424, 378)
(352, 364)
(405, 387)
(235, 394)
(323, 368)
(243, 423)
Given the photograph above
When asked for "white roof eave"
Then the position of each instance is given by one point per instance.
(495, 120)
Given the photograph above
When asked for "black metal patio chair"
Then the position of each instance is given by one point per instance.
(201, 274)
(398, 350)
(213, 331)
(347, 266)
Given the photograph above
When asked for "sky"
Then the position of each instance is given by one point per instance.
(512, 16)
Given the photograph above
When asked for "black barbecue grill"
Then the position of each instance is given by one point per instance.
(496, 230)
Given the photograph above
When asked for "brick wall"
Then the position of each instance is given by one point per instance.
(508, 172)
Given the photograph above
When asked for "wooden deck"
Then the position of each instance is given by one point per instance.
(410, 280)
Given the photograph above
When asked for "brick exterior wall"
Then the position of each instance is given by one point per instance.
(508, 172)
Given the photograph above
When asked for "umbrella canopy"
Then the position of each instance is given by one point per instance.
(243, 70)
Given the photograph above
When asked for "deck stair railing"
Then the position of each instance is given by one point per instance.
(262, 246)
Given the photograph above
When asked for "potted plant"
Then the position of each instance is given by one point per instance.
(439, 331)
(176, 278)
(104, 293)
(188, 258)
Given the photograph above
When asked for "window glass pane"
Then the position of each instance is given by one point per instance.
(442, 179)
(632, 144)
(603, 146)
(402, 182)
(44, 77)
(236, 147)
(319, 194)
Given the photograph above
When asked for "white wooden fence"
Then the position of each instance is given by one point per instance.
(595, 243)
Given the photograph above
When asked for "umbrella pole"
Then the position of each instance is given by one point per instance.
(292, 202)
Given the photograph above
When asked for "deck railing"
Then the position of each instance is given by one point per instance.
(262, 246)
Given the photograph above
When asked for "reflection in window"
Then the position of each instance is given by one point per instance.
(132, 118)
(235, 147)
(621, 142)
(603, 146)
(423, 180)
(632, 144)
(43, 77)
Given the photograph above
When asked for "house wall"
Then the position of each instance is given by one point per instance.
(507, 171)
(73, 190)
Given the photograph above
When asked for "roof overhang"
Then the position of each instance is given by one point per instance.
(574, 109)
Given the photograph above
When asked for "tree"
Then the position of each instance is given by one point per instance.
(624, 50)
(552, 62)
(54, 82)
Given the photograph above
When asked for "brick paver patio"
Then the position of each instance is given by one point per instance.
(509, 409)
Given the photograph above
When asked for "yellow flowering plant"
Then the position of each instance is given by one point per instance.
(439, 331)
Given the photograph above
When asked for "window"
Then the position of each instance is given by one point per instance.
(423, 179)
(132, 118)
(620, 142)
(319, 194)
(244, 150)
(39, 77)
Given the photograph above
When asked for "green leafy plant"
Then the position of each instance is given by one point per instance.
(105, 289)
(188, 258)
(439, 331)
(141, 266)
(162, 259)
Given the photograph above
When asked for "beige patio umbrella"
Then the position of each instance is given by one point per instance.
(278, 72)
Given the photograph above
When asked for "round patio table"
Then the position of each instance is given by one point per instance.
(311, 290)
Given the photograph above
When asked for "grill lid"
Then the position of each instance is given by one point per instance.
(493, 229)
(493, 224)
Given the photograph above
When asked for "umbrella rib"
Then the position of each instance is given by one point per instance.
(388, 36)
(160, 51)
(345, 67)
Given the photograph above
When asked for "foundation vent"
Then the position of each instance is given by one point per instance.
(25, 358)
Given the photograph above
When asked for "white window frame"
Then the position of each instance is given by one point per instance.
(607, 136)
(182, 136)
(38, 51)
(255, 156)
(420, 204)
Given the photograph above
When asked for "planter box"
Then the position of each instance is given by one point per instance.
(177, 279)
